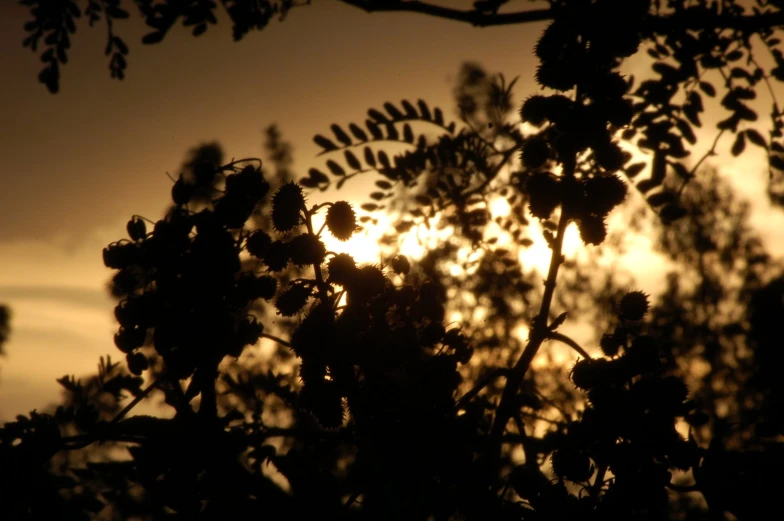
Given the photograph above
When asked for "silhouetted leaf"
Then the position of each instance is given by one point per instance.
(377, 196)
(369, 207)
(411, 112)
(340, 134)
(425, 110)
(324, 143)
(739, 145)
(383, 159)
(438, 116)
(358, 132)
(634, 170)
(374, 130)
(393, 111)
(661, 198)
(756, 138)
(707, 88)
(672, 212)
(370, 157)
(392, 132)
(335, 168)
(352, 161)
(408, 134)
(378, 116)
(153, 37)
(384, 185)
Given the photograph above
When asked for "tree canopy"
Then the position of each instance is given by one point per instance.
(373, 403)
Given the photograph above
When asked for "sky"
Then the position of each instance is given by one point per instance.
(77, 165)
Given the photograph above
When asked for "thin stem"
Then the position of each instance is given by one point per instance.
(481, 383)
(141, 396)
(276, 339)
(554, 335)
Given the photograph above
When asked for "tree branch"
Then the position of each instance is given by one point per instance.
(689, 19)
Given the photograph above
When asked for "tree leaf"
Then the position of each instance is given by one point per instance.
(335, 168)
(374, 130)
(425, 110)
(408, 134)
(393, 111)
(739, 145)
(352, 160)
(634, 170)
(377, 116)
(340, 134)
(358, 132)
(756, 138)
(324, 143)
(411, 112)
(707, 88)
(370, 158)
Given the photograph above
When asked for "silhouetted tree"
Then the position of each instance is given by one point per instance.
(375, 406)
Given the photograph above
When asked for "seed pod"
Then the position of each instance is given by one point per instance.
(341, 220)
(287, 203)
(181, 191)
(277, 256)
(136, 228)
(307, 249)
(544, 192)
(137, 363)
(292, 300)
(129, 338)
(592, 229)
(258, 243)
(633, 305)
(342, 269)
(535, 152)
(610, 344)
(534, 110)
(571, 463)
(604, 193)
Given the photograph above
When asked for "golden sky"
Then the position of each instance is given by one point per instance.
(76, 165)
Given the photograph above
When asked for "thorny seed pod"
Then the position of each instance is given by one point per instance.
(571, 463)
(557, 75)
(604, 193)
(609, 156)
(293, 299)
(341, 220)
(307, 249)
(323, 399)
(588, 373)
(633, 305)
(544, 192)
(136, 228)
(342, 269)
(534, 110)
(258, 243)
(277, 256)
(535, 152)
(610, 344)
(592, 229)
(287, 203)
(368, 282)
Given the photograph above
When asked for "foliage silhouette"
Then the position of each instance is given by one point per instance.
(373, 406)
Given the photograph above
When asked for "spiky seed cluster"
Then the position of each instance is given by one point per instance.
(593, 229)
(307, 249)
(291, 301)
(341, 220)
(287, 203)
(136, 228)
(535, 152)
(137, 363)
(342, 269)
(609, 156)
(277, 256)
(610, 344)
(534, 110)
(634, 305)
(544, 194)
(605, 193)
(571, 463)
(258, 243)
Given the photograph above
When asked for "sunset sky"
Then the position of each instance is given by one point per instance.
(76, 165)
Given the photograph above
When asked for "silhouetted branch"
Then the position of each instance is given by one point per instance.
(690, 19)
